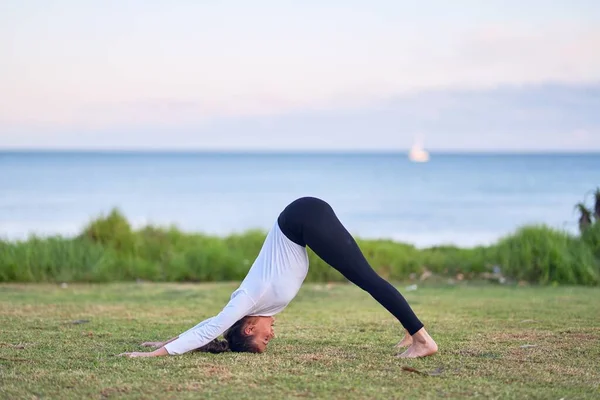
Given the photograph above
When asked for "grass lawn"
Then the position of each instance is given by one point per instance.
(337, 342)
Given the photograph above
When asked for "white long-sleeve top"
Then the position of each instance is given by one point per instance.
(272, 282)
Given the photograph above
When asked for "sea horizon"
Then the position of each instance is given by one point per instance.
(459, 198)
(296, 151)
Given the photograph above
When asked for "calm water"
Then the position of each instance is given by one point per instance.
(461, 199)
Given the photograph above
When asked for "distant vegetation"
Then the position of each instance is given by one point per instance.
(109, 249)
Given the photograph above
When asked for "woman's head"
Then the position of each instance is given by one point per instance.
(249, 334)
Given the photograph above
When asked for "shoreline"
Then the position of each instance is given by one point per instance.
(399, 238)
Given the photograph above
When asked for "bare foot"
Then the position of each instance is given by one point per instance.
(422, 346)
(407, 341)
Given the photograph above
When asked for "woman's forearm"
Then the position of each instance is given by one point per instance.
(160, 352)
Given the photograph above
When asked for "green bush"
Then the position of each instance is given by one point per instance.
(591, 237)
(109, 249)
(545, 255)
(54, 259)
(113, 230)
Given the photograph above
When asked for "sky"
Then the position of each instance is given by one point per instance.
(311, 75)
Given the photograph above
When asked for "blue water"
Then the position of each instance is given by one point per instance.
(463, 199)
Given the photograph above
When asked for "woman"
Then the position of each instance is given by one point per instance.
(275, 278)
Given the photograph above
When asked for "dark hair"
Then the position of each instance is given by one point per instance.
(235, 340)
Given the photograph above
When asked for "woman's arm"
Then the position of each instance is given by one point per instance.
(160, 351)
(161, 344)
(239, 306)
(157, 345)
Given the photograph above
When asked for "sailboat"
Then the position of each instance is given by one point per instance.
(418, 153)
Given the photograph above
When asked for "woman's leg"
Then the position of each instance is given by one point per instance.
(312, 222)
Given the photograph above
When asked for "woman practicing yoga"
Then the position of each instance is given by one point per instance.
(275, 278)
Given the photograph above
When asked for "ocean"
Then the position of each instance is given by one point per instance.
(461, 199)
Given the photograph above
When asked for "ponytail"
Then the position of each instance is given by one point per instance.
(216, 346)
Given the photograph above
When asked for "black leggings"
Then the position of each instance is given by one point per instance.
(311, 222)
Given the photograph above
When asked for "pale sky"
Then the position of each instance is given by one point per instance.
(192, 74)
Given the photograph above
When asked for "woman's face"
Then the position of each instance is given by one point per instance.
(261, 328)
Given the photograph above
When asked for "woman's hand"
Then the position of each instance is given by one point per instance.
(156, 353)
(156, 345)
(135, 354)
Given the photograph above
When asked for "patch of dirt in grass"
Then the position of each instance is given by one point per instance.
(19, 346)
(312, 357)
(543, 356)
(469, 352)
(524, 336)
(64, 311)
(213, 370)
(316, 359)
(218, 371)
(114, 392)
(185, 387)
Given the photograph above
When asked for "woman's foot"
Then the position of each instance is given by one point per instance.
(422, 346)
(407, 341)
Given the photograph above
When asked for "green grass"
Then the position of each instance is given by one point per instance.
(109, 250)
(332, 342)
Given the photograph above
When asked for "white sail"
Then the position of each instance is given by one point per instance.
(418, 153)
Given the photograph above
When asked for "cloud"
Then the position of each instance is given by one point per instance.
(187, 64)
(519, 55)
(510, 117)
